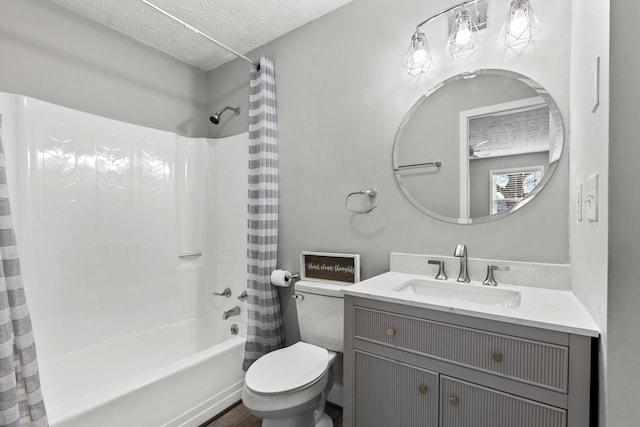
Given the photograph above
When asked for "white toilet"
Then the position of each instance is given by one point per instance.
(289, 387)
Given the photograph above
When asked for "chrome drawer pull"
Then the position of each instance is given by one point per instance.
(391, 332)
(423, 389)
(497, 356)
(453, 400)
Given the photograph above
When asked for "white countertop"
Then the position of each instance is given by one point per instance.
(553, 309)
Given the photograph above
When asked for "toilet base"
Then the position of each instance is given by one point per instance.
(323, 420)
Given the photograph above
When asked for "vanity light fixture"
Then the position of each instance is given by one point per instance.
(466, 19)
(418, 58)
(462, 42)
(521, 25)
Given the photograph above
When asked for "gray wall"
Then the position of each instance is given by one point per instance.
(55, 55)
(341, 95)
(624, 232)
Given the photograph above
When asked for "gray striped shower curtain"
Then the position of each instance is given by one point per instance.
(21, 402)
(264, 333)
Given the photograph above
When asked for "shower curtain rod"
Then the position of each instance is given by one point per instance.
(197, 31)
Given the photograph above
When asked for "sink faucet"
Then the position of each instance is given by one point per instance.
(461, 252)
(233, 312)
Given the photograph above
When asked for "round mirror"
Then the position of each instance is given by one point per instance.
(478, 146)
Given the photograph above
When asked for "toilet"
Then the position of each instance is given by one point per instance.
(289, 387)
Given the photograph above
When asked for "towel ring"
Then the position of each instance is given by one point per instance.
(372, 193)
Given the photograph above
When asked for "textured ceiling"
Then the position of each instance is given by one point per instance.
(242, 25)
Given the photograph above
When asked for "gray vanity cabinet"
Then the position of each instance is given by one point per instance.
(410, 366)
(391, 393)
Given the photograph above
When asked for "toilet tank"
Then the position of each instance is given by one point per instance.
(320, 308)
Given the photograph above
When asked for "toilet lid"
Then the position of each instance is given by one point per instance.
(287, 369)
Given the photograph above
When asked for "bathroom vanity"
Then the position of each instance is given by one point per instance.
(415, 359)
(424, 350)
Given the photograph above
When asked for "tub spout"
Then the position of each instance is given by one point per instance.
(233, 312)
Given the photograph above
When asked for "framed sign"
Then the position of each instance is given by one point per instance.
(327, 267)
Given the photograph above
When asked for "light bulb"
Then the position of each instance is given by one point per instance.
(420, 55)
(463, 36)
(519, 22)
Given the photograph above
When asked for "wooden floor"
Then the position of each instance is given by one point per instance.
(238, 416)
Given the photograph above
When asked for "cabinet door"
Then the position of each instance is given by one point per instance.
(468, 405)
(390, 394)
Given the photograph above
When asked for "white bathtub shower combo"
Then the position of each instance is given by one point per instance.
(110, 219)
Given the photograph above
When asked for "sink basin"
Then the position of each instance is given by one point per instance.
(461, 292)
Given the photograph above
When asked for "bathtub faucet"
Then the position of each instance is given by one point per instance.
(233, 312)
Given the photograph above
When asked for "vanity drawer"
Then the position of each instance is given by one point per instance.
(533, 362)
(464, 404)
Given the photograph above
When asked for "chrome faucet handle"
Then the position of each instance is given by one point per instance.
(490, 280)
(441, 274)
(225, 293)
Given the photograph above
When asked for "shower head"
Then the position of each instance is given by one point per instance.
(215, 119)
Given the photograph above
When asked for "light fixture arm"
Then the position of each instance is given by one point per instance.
(520, 28)
(438, 15)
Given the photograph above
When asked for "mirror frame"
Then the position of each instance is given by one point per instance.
(556, 143)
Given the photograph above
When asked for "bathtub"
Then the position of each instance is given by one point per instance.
(125, 234)
(175, 375)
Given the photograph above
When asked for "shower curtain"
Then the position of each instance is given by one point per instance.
(21, 402)
(264, 332)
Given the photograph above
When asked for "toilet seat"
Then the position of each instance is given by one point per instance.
(288, 370)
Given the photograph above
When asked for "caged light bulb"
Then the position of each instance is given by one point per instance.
(519, 23)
